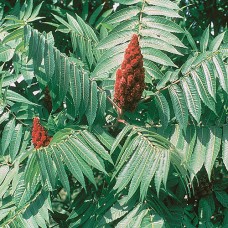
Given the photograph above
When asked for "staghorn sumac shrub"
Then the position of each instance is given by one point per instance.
(115, 159)
(129, 83)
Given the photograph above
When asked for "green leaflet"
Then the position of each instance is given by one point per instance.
(225, 145)
(127, 172)
(27, 69)
(4, 117)
(149, 172)
(74, 25)
(164, 3)
(51, 170)
(7, 135)
(71, 111)
(120, 136)
(32, 170)
(192, 98)
(115, 212)
(40, 51)
(28, 10)
(177, 137)
(161, 11)
(60, 78)
(22, 194)
(42, 169)
(75, 87)
(81, 47)
(84, 38)
(204, 40)
(128, 2)
(9, 177)
(10, 78)
(161, 23)
(35, 13)
(128, 220)
(27, 34)
(221, 70)
(71, 163)
(86, 154)
(15, 141)
(109, 61)
(163, 36)
(33, 44)
(157, 56)
(138, 175)
(63, 22)
(126, 25)
(55, 81)
(92, 104)
(163, 109)
(127, 150)
(216, 42)
(170, 76)
(152, 70)
(189, 142)
(201, 86)
(64, 78)
(90, 53)
(115, 39)
(61, 170)
(200, 57)
(16, 97)
(49, 62)
(105, 138)
(85, 92)
(101, 104)
(123, 14)
(191, 40)
(212, 149)
(87, 30)
(158, 44)
(35, 213)
(199, 153)
(16, 34)
(95, 14)
(83, 165)
(4, 169)
(161, 171)
(6, 53)
(87, 170)
(210, 78)
(179, 105)
(186, 67)
(96, 146)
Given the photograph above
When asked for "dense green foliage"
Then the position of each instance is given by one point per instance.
(163, 165)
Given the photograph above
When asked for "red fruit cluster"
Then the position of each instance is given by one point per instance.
(39, 134)
(129, 83)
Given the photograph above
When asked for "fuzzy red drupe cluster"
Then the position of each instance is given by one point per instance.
(129, 83)
(39, 134)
